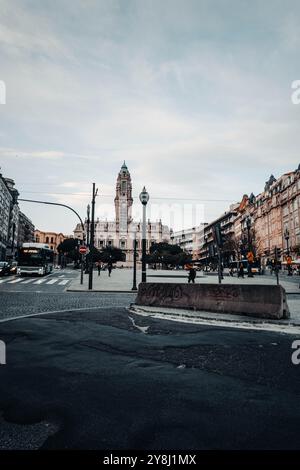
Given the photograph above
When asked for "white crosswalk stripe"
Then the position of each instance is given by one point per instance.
(60, 280)
(53, 281)
(40, 281)
(27, 281)
(18, 279)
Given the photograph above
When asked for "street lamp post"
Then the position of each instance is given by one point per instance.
(287, 237)
(88, 209)
(92, 238)
(144, 198)
(134, 262)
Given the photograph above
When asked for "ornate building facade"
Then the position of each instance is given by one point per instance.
(264, 224)
(52, 239)
(121, 232)
(274, 217)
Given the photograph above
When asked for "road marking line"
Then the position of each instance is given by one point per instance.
(52, 281)
(27, 281)
(4, 280)
(63, 283)
(40, 281)
(15, 280)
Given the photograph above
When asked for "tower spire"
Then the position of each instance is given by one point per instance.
(123, 199)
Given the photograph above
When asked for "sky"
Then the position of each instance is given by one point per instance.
(195, 96)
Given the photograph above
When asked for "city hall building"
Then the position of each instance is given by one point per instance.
(121, 232)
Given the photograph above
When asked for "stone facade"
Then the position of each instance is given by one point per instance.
(274, 216)
(207, 253)
(9, 218)
(52, 239)
(262, 223)
(121, 232)
(25, 229)
(189, 240)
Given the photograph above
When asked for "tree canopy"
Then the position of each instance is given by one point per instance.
(112, 254)
(168, 255)
(69, 247)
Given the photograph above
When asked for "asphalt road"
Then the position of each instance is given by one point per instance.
(106, 379)
(18, 304)
(57, 281)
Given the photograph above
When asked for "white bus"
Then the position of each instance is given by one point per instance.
(35, 258)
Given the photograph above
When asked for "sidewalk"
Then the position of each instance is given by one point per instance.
(121, 280)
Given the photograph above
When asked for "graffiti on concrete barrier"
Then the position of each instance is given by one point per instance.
(219, 293)
(185, 295)
(162, 293)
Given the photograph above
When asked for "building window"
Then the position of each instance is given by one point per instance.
(47, 239)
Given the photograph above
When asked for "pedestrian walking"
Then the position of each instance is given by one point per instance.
(109, 267)
(241, 271)
(99, 268)
(192, 275)
(231, 271)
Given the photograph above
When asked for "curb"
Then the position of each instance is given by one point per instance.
(104, 291)
(245, 323)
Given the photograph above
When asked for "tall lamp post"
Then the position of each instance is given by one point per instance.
(144, 198)
(287, 237)
(134, 262)
(88, 222)
(92, 238)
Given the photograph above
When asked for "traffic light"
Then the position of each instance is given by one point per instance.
(277, 253)
(218, 236)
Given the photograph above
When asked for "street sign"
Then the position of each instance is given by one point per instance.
(82, 250)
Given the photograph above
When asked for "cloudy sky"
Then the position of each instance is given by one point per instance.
(195, 95)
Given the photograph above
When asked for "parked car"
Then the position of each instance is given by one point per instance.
(13, 267)
(4, 268)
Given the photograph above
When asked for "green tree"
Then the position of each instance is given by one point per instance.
(168, 255)
(112, 254)
(69, 247)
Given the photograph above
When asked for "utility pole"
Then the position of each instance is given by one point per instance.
(134, 263)
(92, 238)
(87, 238)
(144, 198)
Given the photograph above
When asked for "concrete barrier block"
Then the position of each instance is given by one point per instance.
(263, 301)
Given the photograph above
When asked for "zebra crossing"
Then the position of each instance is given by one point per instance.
(58, 280)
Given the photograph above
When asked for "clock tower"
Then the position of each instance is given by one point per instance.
(123, 200)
